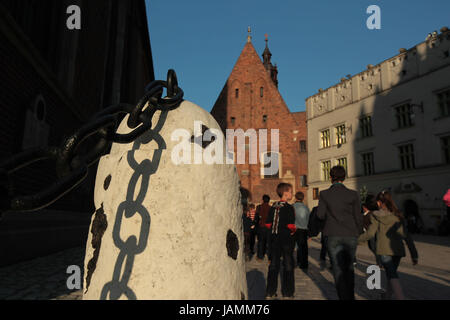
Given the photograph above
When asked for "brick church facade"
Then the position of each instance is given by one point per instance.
(250, 100)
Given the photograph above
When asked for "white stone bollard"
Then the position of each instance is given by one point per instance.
(162, 230)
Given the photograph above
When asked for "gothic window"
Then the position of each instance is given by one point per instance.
(445, 143)
(236, 93)
(326, 167)
(406, 154)
(325, 139)
(36, 130)
(403, 115)
(302, 145)
(365, 124)
(444, 103)
(340, 135)
(368, 164)
(343, 163)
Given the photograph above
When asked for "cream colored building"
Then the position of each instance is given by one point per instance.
(390, 126)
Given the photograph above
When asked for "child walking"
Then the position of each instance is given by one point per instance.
(281, 222)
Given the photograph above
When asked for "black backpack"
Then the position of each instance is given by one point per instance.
(315, 225)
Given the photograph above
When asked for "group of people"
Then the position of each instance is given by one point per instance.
(344, 223)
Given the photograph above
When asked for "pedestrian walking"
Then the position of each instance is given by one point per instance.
(262, 210)
(281, 222)
(247, 224)
(388, 225)
(254, 227)
(369, 206)
(301, 233)
(340, 207)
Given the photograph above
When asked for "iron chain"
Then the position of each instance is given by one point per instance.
(72, 166)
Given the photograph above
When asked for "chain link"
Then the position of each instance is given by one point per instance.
(72, 166)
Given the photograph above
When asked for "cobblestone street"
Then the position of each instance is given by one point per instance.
(428, 280)
(45, 278)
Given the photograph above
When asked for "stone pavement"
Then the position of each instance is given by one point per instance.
(42, 278)
(45, 278)
(430, 279)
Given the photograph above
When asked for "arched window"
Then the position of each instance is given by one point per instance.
(236, 93)
(36, 130)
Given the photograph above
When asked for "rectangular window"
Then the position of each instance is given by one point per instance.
(343, 162)
(403, 115)
(302, 145)
(365, 125)
(326, 167)
(233, 120)
(315, 193)
(265, 118)
(325, 139)
(406, 154)
(368, 164)
(445, 143)
(303, 181)
(444, 103)
(261, 92)
(340, 135)
(236, 92)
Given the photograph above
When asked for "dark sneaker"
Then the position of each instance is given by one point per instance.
(270, 297)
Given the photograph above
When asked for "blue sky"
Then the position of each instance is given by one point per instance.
(314, 43)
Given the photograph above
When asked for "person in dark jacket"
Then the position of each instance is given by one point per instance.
(262, 211)
(254, 227)
(249, 225)
(281, 222)
(341, 209)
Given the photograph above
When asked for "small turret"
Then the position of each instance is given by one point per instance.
(267, 56)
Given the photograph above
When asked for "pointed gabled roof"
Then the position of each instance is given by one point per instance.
(248, 56)
(248, 68)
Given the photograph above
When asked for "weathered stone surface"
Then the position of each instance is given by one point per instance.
(167, 224)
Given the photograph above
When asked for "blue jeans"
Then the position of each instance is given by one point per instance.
(390, 264)
(342, 251)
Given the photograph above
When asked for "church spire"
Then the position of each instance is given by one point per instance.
(267, 56)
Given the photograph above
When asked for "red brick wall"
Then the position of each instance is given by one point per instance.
(248, 109)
